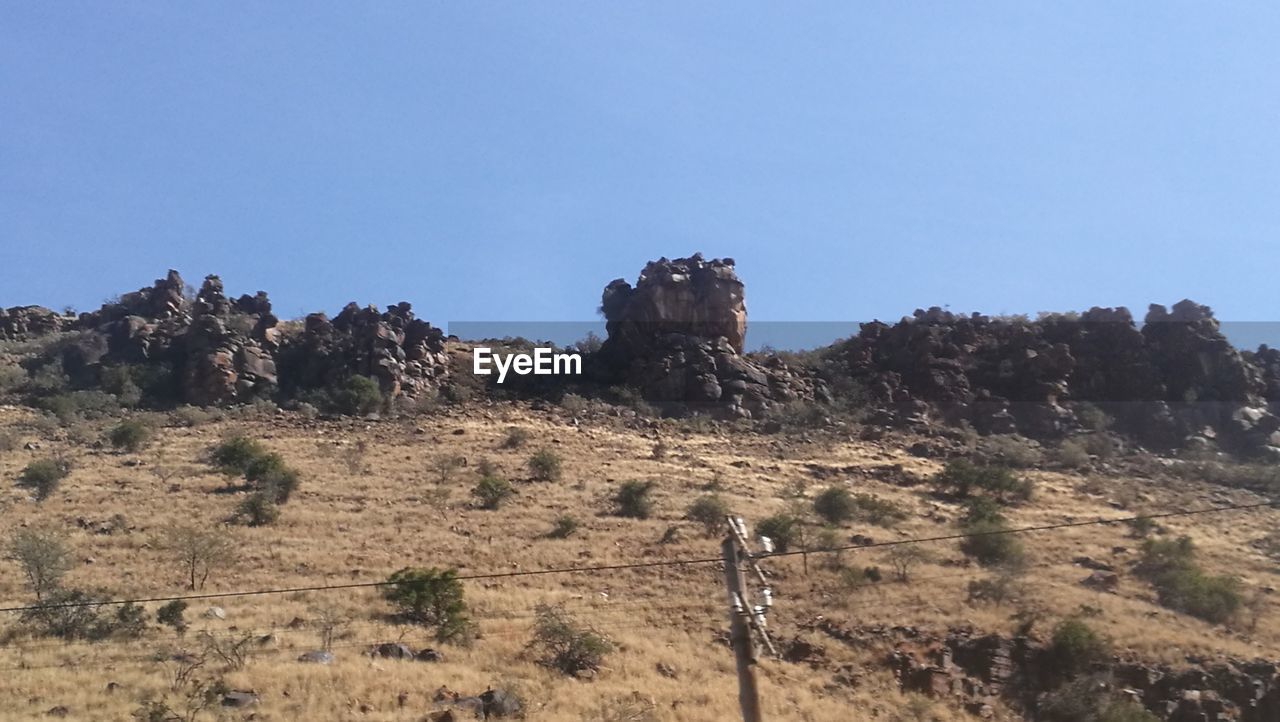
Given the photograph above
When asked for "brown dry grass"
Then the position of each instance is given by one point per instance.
(360, 515)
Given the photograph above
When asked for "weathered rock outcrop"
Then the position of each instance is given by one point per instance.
(678, 337)
(974, 670)
(1175, 377)
(405, 354)
(21, 323)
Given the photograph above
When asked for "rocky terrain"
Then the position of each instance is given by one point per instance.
(1061, 420)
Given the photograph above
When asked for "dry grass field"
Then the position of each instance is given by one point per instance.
(372, 500)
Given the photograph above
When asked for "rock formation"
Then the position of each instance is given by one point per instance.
(405, 354)
(1175, 378)
(678, 337)
(21, 323)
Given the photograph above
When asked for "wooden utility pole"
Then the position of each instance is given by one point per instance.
(744, 646)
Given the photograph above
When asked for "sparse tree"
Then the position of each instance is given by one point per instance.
(430, 597)
(562, 643)
(43, 555)
(903, 557)
(198, 551)
(544, 465)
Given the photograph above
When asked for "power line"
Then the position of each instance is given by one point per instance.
(646, 565)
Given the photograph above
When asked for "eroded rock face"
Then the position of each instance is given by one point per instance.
(404, 353)
(1166, 382)
(678, 336)
(688, 296)
(22, 323)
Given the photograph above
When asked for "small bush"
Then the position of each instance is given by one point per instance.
(981, 509)
(561, 643)
(1012, 451)
(516, 437)
(1181, 585)
(874, 510)
(430, 597)
(574, 404)
(43, 476)
(357, 396)
(783, 529)
(834, 504)
(563, 527)
(633, 499)
(544, 465)
(963, 479)
(991, 545)
(130, 435)
(492, 491)
(258, 509)
(77, 614)
(233, 456)
(1072, 454)
(1075, 648)
(710, 511)
(171, 615)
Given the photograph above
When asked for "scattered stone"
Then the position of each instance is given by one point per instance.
(392, 650)
(429, 655)
(239, 698)
(215, 613)
(317, 657)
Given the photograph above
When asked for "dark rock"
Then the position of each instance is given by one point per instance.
(317, 657)
(392, 650)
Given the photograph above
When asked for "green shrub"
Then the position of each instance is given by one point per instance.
(633, 499)
(357, 396)
(130, 435)
(711, 511)
(492, 491)
(563, 527)
(171, 615)
(561, 643)
(980, 509)
(44, 476)
(1181, 585)
(544, 465)
(515, 438)
(1008, 450)
(873, 509)
(1075, 648)
(991, 544)
(834, 504)
(77, 614)
(70, 406)
(783, 529)
(430, 597)
(233, 456)
(963, 478)
(258, 509)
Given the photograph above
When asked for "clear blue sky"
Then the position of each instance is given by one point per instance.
(503, 161)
